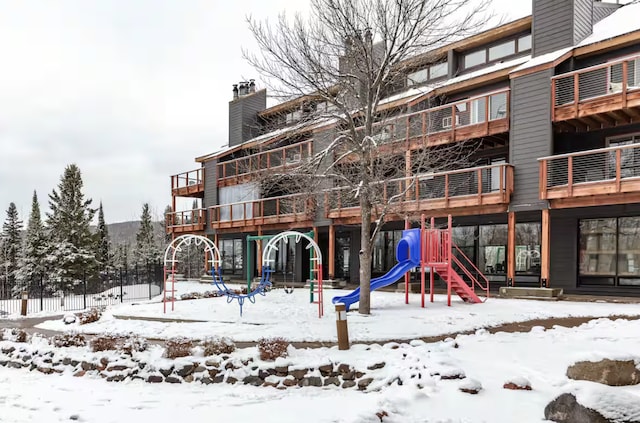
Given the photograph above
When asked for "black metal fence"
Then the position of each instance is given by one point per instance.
(138, 282)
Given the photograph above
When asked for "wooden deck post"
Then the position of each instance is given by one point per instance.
(332, 252)
(511, 249)
(545, 249)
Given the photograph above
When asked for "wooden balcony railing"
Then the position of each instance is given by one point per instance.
(270, 159)
(186, 221)
(462, 120)
(264, 211)
(188, 184)
(601, 172)
(597, 89)
(438, 193)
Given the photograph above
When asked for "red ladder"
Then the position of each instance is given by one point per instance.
(441, 254)
(169, 291)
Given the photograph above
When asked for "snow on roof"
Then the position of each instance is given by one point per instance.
(545, 58)
(484, 71)
(620, 22)
(409, 94)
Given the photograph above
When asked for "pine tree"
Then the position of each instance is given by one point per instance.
(11, 248)
(103, 243)
(147, 249)
(34, 250)
(72, 254)
(167, 220)
(121, 256)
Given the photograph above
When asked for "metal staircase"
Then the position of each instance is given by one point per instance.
(454, 268)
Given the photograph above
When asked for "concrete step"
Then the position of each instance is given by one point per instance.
(551, 294)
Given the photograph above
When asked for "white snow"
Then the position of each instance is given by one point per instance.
(292, 316)
(542, 59)
(540, 357)
(620, 22)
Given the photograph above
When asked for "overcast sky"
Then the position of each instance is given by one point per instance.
(129, 90)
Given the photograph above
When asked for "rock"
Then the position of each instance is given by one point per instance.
(326, 369)
(199, 369)
(117, 368)
(290, 381)
(333, 380)
(344, 368)
(74, 417)
(348, 384)
(376, 366)
(104, 361)
(363, 383)
(69, 319)
(66, 361)
(166, 372)
(310, 381)
(270, 384)
(519, 384)
(8, 350)
(45, 370)
(229, 366)
(116, 378)
(282, 370)
(359, 375)
(86, 366)
(263, 374)
(253, 380)
(80, 373)
(218, 379)
(470, 386)
(15, 364)
(206, 380)
(349, 376)
(212, 363)
(298, 374)
(186, 370)
(608, 372)
(566, 409)
(188, 378)
(232, 380)
(172, 379)
(74, 363)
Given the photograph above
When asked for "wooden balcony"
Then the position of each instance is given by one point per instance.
(476, 117)
(188, 184)
(188, 221)
(274, 212)
(590, 178)
(233, 171)
(597, 97)
(478, 190)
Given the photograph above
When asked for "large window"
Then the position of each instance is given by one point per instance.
(493, 249)
(237, 195)
(502, 50)
(610, 251)
(528, 248)
(231, 251)
(384, 250)
(474, 59)
(629, 157)
(498, 51)
(438, 70)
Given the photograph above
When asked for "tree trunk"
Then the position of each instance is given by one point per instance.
(365, 259)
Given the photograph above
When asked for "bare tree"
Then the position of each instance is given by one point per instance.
(345, 60)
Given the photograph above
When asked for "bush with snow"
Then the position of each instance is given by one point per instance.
(68, 340)
(90, 316)
(217, 345)
(69, 318)
(272, 348)
(178, 347)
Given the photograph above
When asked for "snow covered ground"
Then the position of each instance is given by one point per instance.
(293, 317)
(541, 356)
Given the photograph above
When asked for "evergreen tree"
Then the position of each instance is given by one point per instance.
(34, 250)
(103, 247)
(72, 248)
(121, 256)
(11, 249)
(147, 249)
(167, 221)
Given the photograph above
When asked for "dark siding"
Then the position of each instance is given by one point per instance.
(565, 248)
(210, 187)
(582, 18)
(552, 25)
(243, 119)
(530, 135)
(602, 10)
(321, 140)
(570, 142)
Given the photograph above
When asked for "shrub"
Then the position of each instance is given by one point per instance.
(132, 344)
(20, 335)
(191, 296)
(217, 346)
(210, 294)
(69, 340)
(105, 343)
(272, 348)
(178, 347)
(90, 316)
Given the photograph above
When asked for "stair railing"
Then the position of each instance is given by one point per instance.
(467, 262)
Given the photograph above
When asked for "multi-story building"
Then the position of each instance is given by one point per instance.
(552, 198)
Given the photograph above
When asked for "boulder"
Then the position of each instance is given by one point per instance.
(608, 372)
(566, 409)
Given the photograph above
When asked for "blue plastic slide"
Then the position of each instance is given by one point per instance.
(408, 255)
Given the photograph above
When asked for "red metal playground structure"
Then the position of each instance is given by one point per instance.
(431, 250)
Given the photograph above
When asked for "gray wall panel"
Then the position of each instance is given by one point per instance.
(552, 25)
(210, 188)
(530, 135)
(243, 118)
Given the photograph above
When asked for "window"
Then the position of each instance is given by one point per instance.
(478, 110)
(598, 251)
(384, 250)
(432, 72)
(629, 157)
(502, 50)
(474, 59)
(493, 249)
(231, 252)
(528, 248)
(616, 74)
(236, 196)
(498, 106)
(524, 43)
